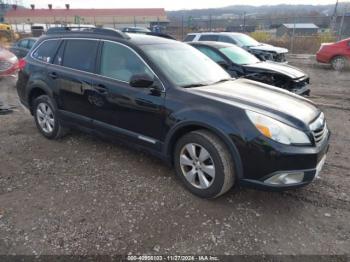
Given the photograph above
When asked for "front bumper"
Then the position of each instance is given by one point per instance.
(266, 161)
(302, 91)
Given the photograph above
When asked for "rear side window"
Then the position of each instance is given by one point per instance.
(189, 38)
(209, 38)
(24, 43)
(46, 51)
(80, 54)
(226, 39)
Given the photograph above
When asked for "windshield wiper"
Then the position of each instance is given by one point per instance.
(221, 81)
(194, 85)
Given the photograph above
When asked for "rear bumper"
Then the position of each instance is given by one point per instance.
(322, 58)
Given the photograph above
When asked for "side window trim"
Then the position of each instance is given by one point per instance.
(63, 45)
(99, 57)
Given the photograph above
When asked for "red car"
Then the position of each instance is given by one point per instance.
(8, 63)
(337, 54)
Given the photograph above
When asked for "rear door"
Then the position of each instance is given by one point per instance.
(72, 74)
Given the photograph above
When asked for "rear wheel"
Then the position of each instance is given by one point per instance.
(339, 63)
(46, 119)
(204, 164)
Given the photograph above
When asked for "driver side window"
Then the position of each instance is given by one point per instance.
(120, 63)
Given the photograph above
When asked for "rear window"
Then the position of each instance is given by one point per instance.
(189, 38)
(80, 55)
(46, 51)
(209, 38)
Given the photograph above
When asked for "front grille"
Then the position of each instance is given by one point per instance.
(319, 129)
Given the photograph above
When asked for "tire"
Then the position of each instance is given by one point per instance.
(339, 63)
(192, 164)
(46, 119)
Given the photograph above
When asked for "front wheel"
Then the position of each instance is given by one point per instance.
(204, 164)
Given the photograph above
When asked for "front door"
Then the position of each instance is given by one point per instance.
(136, 113)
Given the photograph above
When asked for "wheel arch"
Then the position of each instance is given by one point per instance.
(184, 128)
(35, 90)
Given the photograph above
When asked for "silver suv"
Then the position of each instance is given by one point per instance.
(262, 51)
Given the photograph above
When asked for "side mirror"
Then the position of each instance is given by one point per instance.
(223, 64)
(141, 81)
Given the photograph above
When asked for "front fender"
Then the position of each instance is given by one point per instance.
(197, 119)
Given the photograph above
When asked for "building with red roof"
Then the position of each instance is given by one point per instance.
(118, 17)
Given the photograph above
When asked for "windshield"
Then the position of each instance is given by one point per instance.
(239, 56)
(184, 65)
(245, 40)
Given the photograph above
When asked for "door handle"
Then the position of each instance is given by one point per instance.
(101, 89)
(53, 75)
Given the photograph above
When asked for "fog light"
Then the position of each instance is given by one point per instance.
(285, 179)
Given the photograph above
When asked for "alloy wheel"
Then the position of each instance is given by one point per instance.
(45, 117)
(197, 166)
(339, 63)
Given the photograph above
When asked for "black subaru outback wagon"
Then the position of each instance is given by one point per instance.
(169, 98)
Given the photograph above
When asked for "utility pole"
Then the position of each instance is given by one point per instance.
(293, 36)
(210, 25)
(333, 24)
(243, 29)
(182, 27)
(341, 25)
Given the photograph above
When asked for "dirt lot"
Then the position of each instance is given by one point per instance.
(82, 195)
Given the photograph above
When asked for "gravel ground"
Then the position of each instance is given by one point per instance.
(82, 195)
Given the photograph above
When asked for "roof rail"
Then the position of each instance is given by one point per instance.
(86, 30)
(160, 35)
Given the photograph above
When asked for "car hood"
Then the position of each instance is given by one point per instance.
(283, 69)
(275, 102)
(269, 48)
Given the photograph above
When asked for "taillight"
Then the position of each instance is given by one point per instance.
(22, 64)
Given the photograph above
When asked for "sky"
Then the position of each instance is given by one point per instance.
(167, 4)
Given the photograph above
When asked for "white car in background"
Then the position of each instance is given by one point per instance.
(260, 50)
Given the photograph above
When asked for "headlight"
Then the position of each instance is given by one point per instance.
(276, 130)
